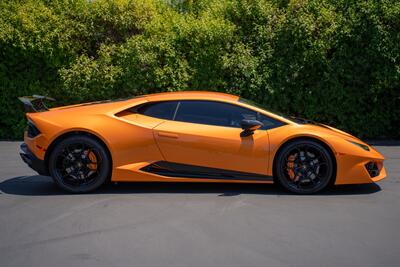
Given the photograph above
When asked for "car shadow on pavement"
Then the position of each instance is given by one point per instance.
(37, 185)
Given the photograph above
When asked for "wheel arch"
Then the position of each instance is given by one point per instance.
(308, 138)
(65, 135)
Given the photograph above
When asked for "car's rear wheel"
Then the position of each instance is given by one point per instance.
(304, 167)
(79, 164)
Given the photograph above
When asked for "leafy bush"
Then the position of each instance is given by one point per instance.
(334, 61)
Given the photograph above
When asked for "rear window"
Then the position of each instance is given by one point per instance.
(162, 110)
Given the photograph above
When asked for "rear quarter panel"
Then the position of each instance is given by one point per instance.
(126, 140)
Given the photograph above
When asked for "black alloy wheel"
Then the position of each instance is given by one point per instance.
(79, 164)
(304, 167)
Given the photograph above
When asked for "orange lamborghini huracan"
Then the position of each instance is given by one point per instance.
(190, 137)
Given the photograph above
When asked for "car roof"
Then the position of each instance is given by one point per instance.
(191, 95)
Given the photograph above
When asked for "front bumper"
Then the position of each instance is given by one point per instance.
(35, 163)
(352, 169)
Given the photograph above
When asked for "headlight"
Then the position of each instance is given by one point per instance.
(359, 145)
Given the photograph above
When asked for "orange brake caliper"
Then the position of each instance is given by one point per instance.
(93, 159)
(290, 165)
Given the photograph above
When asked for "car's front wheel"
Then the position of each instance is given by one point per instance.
(79, 164)
(304, 167)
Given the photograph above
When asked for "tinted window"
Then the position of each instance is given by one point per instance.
(161, 110)
(252, 103)
(268, 122)
(219, 114)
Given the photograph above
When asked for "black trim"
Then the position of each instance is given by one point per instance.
(29, 158)
(171, 169)
(372, 169)
(32, 130)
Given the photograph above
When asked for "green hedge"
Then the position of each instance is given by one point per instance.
(334, 61)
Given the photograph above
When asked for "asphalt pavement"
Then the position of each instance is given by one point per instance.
(185, 225)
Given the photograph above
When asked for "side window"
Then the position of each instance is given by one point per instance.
(268, 122)
(213, 113)
(220, 114)
(162, 110)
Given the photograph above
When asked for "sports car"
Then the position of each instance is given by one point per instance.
(192, 136)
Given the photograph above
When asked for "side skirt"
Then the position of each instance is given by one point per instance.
(171, 169)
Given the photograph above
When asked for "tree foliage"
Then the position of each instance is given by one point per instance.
(334, 61)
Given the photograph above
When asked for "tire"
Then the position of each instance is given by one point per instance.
(79, 164)
(304, 167)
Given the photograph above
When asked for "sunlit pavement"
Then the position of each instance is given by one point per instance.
(145, 224)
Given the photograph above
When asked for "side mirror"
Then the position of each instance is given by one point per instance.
(249, 126)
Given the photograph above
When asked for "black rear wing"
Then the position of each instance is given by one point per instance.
(35, 103)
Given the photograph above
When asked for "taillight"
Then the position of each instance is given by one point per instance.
(32, 130)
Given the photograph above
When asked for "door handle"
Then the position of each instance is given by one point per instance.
(168, 135)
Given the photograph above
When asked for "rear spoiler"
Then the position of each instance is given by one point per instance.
(35, 103)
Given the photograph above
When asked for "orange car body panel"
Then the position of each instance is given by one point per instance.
(135, 141)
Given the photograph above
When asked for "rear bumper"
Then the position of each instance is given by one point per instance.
(32, 161)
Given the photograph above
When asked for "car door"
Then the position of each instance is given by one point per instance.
(207, 134)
